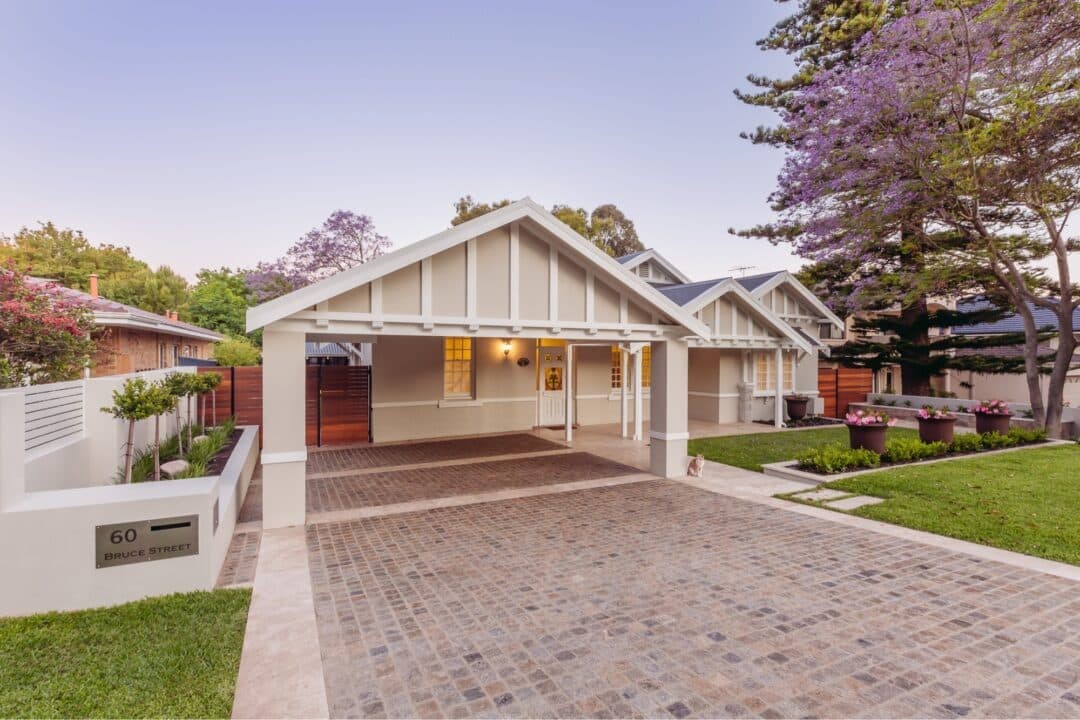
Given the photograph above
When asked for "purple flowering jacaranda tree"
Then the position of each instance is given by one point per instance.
(953, 126)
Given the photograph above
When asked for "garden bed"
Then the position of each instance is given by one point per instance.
(207, 457)
(816, 421)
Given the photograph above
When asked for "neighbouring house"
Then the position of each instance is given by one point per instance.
(512, 320)
(1013, 386)
(338, 353)
(131, 339)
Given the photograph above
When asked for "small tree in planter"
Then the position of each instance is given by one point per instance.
(177, 384)
(209, 382)
(796, 406)
(866, 429)
(160, 400)
(136, 400)
(936, 424)
(992, 416)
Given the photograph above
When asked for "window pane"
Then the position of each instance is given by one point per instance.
(646, 366)
(457, 367)
(616, 367)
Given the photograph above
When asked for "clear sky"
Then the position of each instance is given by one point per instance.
(207, 133)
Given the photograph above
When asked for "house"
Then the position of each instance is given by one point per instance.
(131, 339)
(512, 320)
(1011, 387)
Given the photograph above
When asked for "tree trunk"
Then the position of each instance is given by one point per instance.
(157, 449)
(1055, 391)
(179, 431)
(188, 399)
(128, 451)
(213, 402)
(915, 375)
(1031, 363)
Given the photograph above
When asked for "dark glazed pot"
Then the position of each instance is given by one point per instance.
(985, 423)
(936, 429)
(869, 437)
(796, 407)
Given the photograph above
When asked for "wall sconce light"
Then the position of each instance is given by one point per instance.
(507, 347)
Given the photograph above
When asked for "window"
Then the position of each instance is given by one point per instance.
(458, 367)
(765, 372)
(616, 367)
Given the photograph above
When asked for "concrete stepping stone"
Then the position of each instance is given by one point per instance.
(819, 494)
(174, 467)
(198, 439)
(854, 502)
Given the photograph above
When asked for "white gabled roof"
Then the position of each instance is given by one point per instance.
(729, 286)
(632, 260)
(603, 264)
(785, 278)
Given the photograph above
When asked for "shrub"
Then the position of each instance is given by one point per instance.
(836, 458)
(236, 351)
(1024, 436)
(996, 441)
(903, 450)
(929, 412)
(993, 407)
(966, 443)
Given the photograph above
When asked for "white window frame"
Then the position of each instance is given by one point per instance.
(470, 372)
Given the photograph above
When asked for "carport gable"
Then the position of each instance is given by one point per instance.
(515, 271)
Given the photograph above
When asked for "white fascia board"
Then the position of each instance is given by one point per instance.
(786, 278)
(113, 319)
(652, 254)
(606, 266)
(754, 305)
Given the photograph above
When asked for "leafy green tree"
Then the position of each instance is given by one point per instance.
(607, 226)
(209, 382)
(179, 386)
(153, 290)
(219, 301)
(236, 352)
(139, 400)
(65, 255)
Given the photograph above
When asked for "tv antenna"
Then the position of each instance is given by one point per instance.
(741, 269)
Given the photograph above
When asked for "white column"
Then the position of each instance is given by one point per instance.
(12, 448)
(638, 392)
(668, 420)
(623, 395)
(568, 387)
(779, 409)
(284, 455)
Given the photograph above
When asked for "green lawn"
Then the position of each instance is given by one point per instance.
(1026, 501)
(757, 449)
(174, 656)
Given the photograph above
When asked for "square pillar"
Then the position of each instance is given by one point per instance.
(284, 455)
(623, 396)
(639, 393)
(668, 417)
(568, 388)
(778, 418)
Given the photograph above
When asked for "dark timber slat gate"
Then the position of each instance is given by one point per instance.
(337, 402)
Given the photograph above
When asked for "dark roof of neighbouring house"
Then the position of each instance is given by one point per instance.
(327, 349)
(752, 281)
(623, 259)
(109, 313)
(684, 294)
(1010, 323)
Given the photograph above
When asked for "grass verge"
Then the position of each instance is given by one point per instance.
(172, 656)
(752, 451)
(1024, 501)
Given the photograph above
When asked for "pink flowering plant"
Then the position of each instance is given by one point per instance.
(869, 417)
(992, 407)
(929, 412)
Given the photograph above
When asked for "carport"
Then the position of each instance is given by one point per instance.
(459, 324)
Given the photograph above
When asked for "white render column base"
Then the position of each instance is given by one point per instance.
(668, 417)
(284, 488)
(284, 456)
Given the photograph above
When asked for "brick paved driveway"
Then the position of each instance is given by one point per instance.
(657, 599)
(328, 460)
(343, 492)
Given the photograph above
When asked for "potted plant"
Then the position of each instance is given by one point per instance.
(936, 424)
(796, 406)
(992, 416)
(866, 429)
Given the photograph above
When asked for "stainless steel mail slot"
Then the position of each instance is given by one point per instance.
(146, 540)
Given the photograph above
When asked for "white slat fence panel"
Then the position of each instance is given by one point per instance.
(54, 414)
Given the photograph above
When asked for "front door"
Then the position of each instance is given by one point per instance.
(552, 386)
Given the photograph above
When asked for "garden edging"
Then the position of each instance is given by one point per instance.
(788, 469)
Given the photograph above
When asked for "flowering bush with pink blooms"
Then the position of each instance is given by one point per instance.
(929, 412)
(869, 417)
(993, 407)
